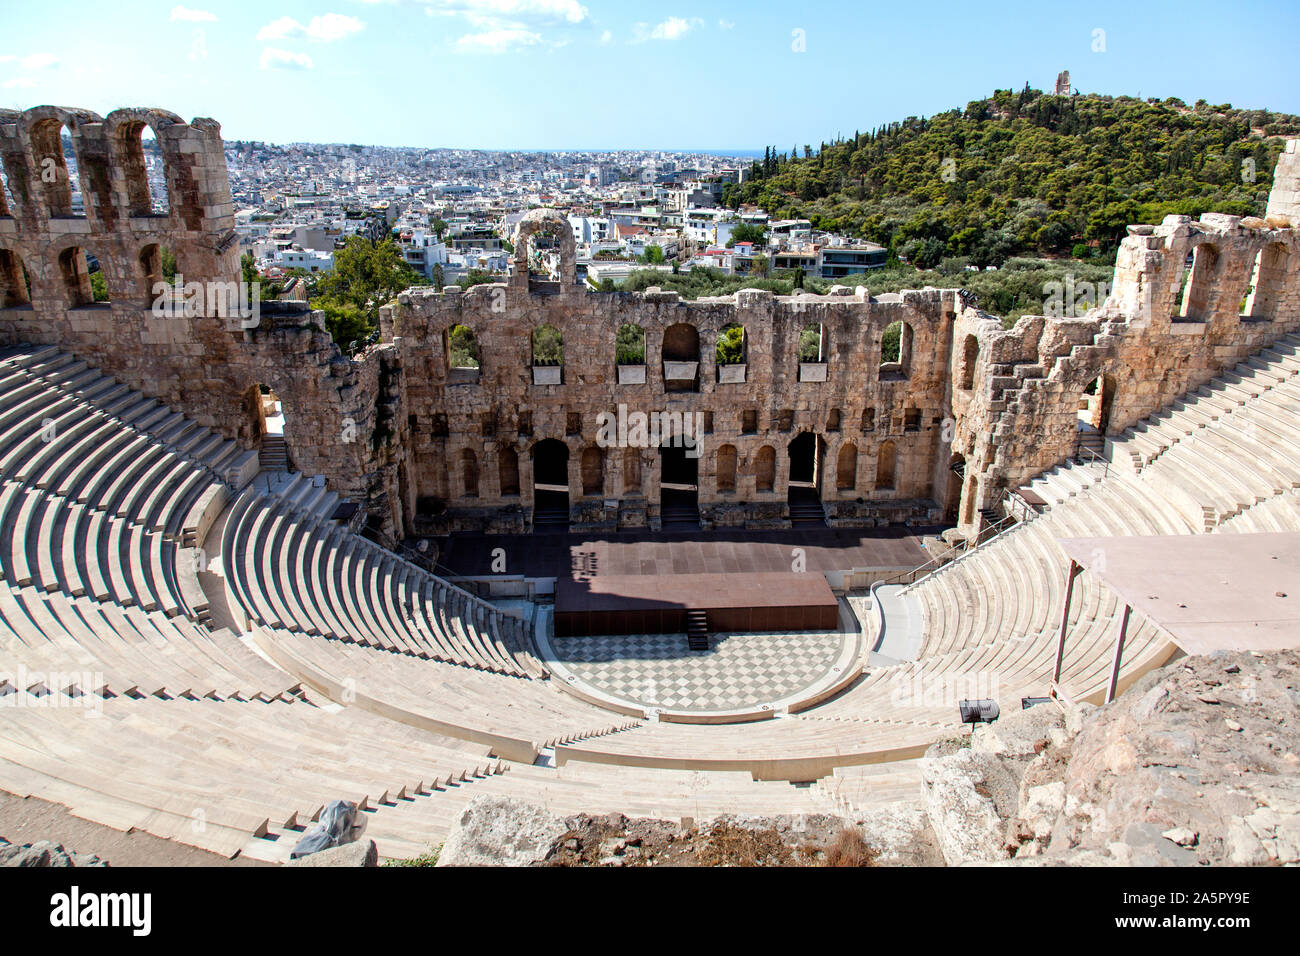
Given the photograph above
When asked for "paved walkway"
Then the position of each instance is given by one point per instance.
(738, 671)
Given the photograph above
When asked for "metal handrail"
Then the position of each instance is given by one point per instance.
(954, 554)
(1088, 456)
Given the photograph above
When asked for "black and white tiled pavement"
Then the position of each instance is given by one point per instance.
(738, 670)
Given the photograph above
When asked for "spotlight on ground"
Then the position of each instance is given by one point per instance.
(1027, 702)
(978, 711)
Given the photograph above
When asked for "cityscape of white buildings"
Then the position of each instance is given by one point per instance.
(452, 211)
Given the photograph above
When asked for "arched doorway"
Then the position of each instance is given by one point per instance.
(265, 411)
(679, 496)
(550, 485)
(952, 500)
(806, 452)
(1094, 412)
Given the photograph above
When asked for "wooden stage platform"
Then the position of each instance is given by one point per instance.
(657, 603)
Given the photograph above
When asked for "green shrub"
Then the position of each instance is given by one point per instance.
(731, 345)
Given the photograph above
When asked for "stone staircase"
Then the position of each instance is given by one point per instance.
(550, 513)
(1143, 443)
(806, 507)
(679, 512)
(274, 455)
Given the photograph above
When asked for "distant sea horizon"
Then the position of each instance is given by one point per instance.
(738, 153)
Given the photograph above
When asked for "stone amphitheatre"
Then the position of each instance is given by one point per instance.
(246, 574)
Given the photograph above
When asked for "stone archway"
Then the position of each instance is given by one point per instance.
(807, 452)
(679, 490)
(952, 499)
(550, 485)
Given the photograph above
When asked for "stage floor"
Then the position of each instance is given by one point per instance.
(721, 551)
(658, 603)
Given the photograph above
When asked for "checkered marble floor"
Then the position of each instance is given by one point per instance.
(738, 670)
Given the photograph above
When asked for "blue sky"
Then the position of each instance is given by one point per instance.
(569, 74)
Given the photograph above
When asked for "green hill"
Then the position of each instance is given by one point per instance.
(1025, 173)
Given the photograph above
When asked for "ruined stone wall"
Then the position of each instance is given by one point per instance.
(454, 411)
(972, 409)
(207, 365)
(1166, 329)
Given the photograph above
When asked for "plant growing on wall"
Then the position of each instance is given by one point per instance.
(731, 345)
(463, 347)
(810, 344)
(629, 345)
(548, 346)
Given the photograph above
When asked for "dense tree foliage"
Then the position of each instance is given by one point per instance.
(747, 232)
(1022, 286)
(1025, 173)
(366, 275)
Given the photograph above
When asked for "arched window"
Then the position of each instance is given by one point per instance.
(56, 169)
(543, 250)
(681, 357)
(143, 170)
(765, 469)
(593, 471)
(730, 349)
(970, 355)
(469, 473)
(727, 468)
(846, 468)
(1267, 283)
(158, 268)
(813, 349)
(508, 471)
(886, 465)
(1198, 281)
(548, 346)
(15, 284)
(8, 207)
(812, 343)
(74, 276)
(629, 345)
(548, 355)
(896, 351)
(631, 470)
(462, 351)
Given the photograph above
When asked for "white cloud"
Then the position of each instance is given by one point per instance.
(568, 10)
(326, 28)
(23, 82)
(33, 61)
(607, 37)
(275, 59)
(186, 15)
(497, 41)
(726, 24)
(671, 29)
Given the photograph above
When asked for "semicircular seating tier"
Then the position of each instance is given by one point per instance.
(356, 674)
(291, 568)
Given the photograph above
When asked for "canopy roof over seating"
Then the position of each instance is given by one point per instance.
(1207, 591)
